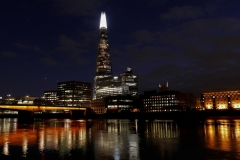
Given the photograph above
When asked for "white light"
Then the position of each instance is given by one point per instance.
(103, 20)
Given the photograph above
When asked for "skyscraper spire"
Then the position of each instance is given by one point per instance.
(103, 66)
(103, 63)
(103, 20)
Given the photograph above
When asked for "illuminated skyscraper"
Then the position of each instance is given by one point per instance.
(130, 80)
(103, 63)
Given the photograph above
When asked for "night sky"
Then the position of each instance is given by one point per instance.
(194, 45)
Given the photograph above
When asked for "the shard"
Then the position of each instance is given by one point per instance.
(103, 62)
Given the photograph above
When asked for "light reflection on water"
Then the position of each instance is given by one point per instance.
(120, 139)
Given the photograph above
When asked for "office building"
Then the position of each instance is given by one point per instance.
(110, 86)
(50, 97)
(73, 93)
(120, 104)
(130, 80)
(166, 101)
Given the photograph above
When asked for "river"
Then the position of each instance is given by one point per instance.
(119, 139)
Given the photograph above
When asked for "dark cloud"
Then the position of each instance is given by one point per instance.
(22, 46)
(143, 36)
(34, 48)
(68, 42)
(156, 2)
(48, 62)
(76, 7)
(72, 50)
(181, 13)
(82, 61)
(190, 55)
(191, 44)
(9, 54)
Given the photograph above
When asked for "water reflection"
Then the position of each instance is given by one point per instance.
(223, 134)
(119, 139)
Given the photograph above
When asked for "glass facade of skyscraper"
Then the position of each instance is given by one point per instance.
(105, 84)
(103, 63)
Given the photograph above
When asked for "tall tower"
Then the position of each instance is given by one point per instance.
(103, 62)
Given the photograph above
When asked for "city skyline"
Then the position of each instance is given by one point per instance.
(192, 45)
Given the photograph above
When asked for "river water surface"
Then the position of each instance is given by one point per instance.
(119, 139)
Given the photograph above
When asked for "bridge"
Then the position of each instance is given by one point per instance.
(27, 111)
(35, 108)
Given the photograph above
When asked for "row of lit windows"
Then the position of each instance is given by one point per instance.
(220, 96)
(235, 100)
(119, 106)
(163, 103)
(156, 99)
(162, 96)
(171, 104)
(163, 110)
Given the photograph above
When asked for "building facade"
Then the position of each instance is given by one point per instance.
(73, 93)
(121, 103)
(103, 62)
(50, 97)
(166, 101)
(198, 104)
(111, 86)
(220, 100)
(130, 80)
(98, 106)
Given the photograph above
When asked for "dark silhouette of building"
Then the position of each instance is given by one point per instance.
(163, 86)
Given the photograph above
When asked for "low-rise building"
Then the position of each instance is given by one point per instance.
(121, 103)
(166, 101)
(198, 104)
(50, 97)
(98, 106)
(221, 100)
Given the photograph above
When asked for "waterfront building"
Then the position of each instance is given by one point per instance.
(110, 86)
(130, 80)
(73, 93)
(98, 106)
(50, 97)
(120, 103)
(22, 100)
(9, 100)
(198, 104)
(221, 99)
(166, 101)
(103, 62)
(28, 100)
